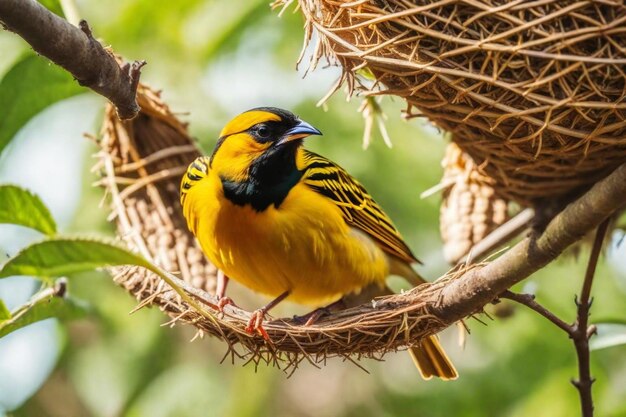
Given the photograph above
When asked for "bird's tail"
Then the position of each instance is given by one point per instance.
(431, 360)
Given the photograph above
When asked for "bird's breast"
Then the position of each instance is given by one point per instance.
(302, 245)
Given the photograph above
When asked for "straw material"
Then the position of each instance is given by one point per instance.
(142, 161)
(533, 91)
(470, 208)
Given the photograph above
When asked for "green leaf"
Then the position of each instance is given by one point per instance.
(608, 335)
(5, 314)
(63, 256)
(30, 86)
(20, 206)
(54, 6)
(57, 307)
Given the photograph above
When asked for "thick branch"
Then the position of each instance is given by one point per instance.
(480, 286)
(76, 51)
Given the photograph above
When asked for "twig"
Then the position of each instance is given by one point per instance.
(75, 50)
(580, 331)
(529, 301)
(500, 236)
(59, 289)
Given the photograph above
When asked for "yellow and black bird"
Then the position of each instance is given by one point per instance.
(289, 223)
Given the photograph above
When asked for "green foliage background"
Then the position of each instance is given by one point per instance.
(116, 364)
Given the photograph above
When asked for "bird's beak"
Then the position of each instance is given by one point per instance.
(299, 131)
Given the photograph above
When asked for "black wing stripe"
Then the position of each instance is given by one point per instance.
(357, 206)
(197, 170)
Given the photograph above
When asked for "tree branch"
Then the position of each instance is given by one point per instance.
(480, 286)
(529, 301)
(75, 50)
(581, 331)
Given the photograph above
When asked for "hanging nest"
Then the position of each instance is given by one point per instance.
(532, 91)
(142, 161)
(470, 208)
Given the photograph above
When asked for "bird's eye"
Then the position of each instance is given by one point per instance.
(263, 131)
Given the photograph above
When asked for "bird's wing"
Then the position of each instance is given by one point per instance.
(358, 208)
(197, 170)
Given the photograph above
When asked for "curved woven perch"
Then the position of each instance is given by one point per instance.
(533, 91)
(142, 161)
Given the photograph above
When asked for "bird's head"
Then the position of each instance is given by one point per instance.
(261, 138)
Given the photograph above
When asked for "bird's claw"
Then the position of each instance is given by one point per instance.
(223, 302)
(256, 323)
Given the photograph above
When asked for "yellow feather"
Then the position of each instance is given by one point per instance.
(246, 120)
(304, 246)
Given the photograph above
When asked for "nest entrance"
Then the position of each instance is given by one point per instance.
(143, 161)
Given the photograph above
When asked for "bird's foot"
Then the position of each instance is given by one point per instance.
(256, 318)
(223, 302)
(255, 324)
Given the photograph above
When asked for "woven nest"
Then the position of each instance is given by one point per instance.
(533, 91)
(470, 207)
(142, 161)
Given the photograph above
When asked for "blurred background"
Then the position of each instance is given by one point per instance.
(214, 59)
